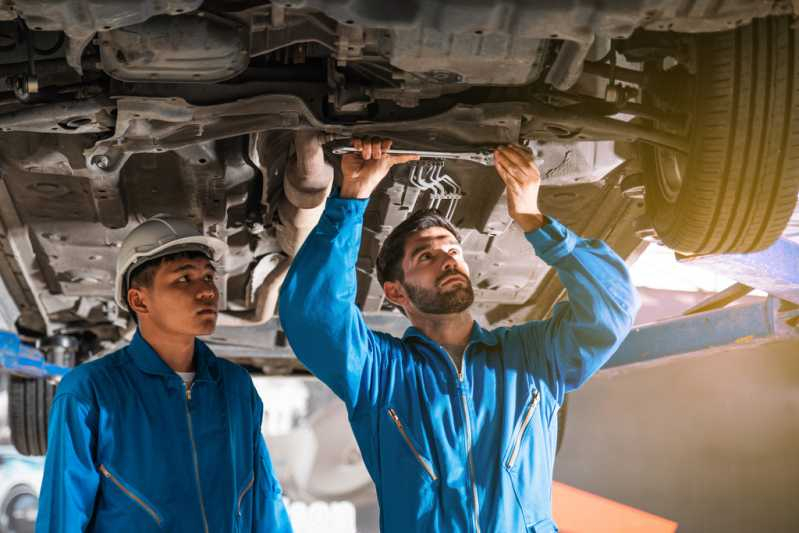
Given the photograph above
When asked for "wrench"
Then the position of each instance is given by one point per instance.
(483, 158)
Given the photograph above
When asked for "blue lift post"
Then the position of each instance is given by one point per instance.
(25, 361)
(774, 270)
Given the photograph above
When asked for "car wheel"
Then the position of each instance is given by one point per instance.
(29, 403)
(19, 510)
(737, 187)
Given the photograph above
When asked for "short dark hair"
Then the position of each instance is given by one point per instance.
(389, 259)
(144, 274)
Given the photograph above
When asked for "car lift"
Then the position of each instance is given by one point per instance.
(709, 326)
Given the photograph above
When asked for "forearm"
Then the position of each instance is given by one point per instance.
(602, 301)
(317, 301)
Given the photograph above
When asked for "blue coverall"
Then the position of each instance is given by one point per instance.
(449, 453)
(131, 449)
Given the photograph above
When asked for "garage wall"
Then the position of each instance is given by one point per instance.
(709, 442)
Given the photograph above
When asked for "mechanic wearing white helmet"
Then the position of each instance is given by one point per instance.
(161, 435)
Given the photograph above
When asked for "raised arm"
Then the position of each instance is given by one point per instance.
(584, 332)
(317, 301)
(71, 479)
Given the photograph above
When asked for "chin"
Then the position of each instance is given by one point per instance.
(206, 326)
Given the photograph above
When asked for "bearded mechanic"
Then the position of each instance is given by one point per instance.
(161, 435)
(456, 423)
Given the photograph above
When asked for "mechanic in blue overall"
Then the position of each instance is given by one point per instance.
(161, 435)
(457, 424)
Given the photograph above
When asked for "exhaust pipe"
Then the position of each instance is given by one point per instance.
(306, 186)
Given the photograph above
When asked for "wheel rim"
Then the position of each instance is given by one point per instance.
(21, 513)
(671, 168)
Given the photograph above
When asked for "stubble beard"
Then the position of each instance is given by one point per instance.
(435, 302)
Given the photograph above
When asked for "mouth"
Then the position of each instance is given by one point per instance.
(450, 279)
(207, 312)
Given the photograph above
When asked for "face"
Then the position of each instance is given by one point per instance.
(183, 297)
(436, 274)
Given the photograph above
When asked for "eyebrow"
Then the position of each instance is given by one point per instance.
(428, 243)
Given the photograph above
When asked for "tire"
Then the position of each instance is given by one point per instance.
(29, 402)
(736, 189)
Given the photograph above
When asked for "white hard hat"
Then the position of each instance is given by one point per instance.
(157, 237)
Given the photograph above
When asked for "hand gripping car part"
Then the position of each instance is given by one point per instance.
(157, 237)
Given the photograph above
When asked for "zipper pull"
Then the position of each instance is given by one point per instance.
(188, 392)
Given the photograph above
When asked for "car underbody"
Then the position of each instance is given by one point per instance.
(112, 112)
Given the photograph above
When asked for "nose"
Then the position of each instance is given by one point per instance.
(208, 292)
(449, 263)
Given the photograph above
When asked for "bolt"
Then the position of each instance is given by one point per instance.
(255, 228)
(102, 162)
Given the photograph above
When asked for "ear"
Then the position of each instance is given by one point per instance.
(395, 293)
(137, 301)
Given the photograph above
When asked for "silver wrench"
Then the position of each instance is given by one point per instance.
(482, 158)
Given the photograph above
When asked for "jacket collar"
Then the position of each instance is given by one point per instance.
(477, 336)
(148, 360)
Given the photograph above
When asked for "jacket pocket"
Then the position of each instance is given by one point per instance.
(138, 500)
(425, 464)
(240, 500)
(516, 443)
(525, 462)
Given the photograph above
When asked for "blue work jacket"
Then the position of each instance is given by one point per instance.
(456, 453)
(130, 449)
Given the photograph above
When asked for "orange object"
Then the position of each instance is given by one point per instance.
(578, 511)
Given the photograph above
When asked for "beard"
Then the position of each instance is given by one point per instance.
(436, 302)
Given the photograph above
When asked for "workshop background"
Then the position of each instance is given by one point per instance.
(696, 444)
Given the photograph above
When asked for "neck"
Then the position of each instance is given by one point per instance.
(448, 330)
(177, 351)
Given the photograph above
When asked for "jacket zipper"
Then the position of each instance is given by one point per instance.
(467, 418)
(194, 456)
(429, 469)
(129, 494)
(471, 462)
(518, 442)
(244, 493)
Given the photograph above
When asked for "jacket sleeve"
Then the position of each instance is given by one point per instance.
(585, 331)
(269, 512)
(70, 482)
(318, 312)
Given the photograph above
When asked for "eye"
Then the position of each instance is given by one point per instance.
(210, 277)
(424, 256)
(183, 279)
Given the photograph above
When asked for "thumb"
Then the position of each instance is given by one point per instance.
(399, 159)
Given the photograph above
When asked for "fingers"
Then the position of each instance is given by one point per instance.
(371, 147)
(385, 145)
(518, 162)
(509, 167)
(518, 155)
(505, 175)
